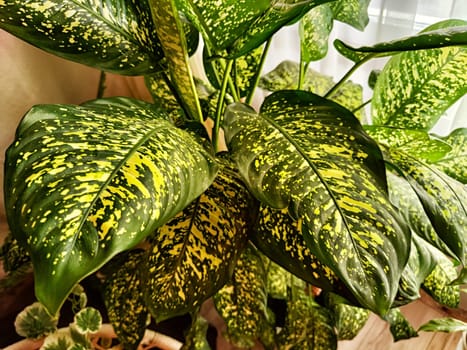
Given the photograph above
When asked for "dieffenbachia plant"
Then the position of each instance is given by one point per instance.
(137, 194)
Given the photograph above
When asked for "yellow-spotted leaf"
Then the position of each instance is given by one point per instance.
(310, 155)
(196, 338)
(314, 30)
(285, 77)
(417, 143)
(123, 297)
(399, 326)
(242, 303)
(443, 198)
(193, 255)
(115, 36)
(353, 12)
(87, 182)
(416, 87)
(279, 237)
(454, 163)
(307, 326)
(171, 33)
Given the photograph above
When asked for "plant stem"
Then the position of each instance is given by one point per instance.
(101, 87)
(345, 77)
(220, 105)
(253, 87)
(355, 110)
(301, 74)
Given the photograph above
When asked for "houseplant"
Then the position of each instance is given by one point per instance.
(138, 200)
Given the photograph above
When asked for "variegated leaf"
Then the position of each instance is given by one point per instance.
(243, 73)
(399, 326)
(405, 198)
(123, 297)
(308, 326)
(279, 237)
(193, 255)
(312, 156)
(443, 198)
(417, 143)
(242, 302)
(444, 325)
(172, 36)
(285, 77)
(279, 280)
(454, 163)
(439, 282)
(195, 339)
(416, 87)
(353, 12)
(348, 319)
(90, 181)
(442, 34)
(314, 30)
(116, 36)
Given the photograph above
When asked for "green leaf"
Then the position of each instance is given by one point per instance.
(415, 88)
(348, 319)
(242, 302)
(454, 163)
(308, 326)
(243, 73)
(442, 34)
(417, 143)
(443, 200)
(312, 156)
(60, 340)
(196, 337)
(34, 322)
(285, 77)
(314, 30)
(278, 237)
(399, 326)
(90, 181)
(115, 36)
(438, 282)
(444, 325)
(193, 255)
(172, 36)
(353, 12)
(123, 297)
(88, 320)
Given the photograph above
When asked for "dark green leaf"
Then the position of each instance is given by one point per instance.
(172, 36)
(116, 36)
(443, 200)
(442, 34)
(308, 326)
(416, 87)
(193, 255)
(278, 236)
(123, 296)
(242, 303)
(417, 143)
(90, 181)
(312, 156)
(454, 163)
(444, 325)
(196, 337)
(438, 282)
(314, 30)
(373, 78)
(353, 12)
(399, 326)
(348, 319)
(34, 322)
(285, 77)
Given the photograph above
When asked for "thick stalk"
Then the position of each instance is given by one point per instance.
(101, 87)
(220, 105)
(253, 87)
(301, 74)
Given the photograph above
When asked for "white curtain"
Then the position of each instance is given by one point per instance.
(389, 19)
